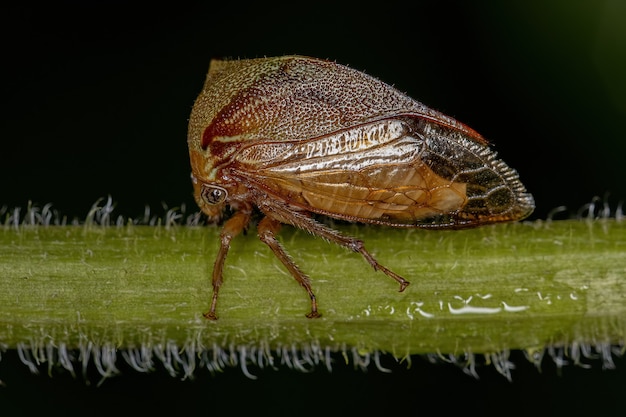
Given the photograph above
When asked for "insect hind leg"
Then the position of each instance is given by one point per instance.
(305, 222)
(357, 246)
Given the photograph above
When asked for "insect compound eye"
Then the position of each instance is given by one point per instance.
(212, 194)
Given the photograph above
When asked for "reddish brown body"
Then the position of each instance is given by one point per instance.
(292, 136)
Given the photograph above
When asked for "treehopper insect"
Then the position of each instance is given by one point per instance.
(294, 137)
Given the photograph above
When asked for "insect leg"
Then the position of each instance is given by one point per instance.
(232, 228)
(267, 229)
(309, 224)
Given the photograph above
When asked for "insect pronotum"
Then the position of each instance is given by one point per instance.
(295, 136)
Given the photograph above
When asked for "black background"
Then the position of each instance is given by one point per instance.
(96, 97)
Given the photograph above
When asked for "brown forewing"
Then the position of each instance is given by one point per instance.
(399, 172)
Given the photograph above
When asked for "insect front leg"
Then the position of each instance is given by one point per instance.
(267, 229)
(232, 228)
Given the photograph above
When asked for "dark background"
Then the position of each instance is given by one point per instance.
(96, 98)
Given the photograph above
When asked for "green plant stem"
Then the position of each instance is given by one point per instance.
(511, 286)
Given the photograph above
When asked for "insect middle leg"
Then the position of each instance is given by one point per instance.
(267, 229)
